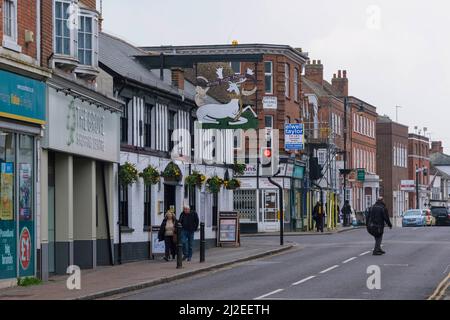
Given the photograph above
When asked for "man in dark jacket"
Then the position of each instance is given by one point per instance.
(189, 221)
(377, 218)
(346, 213)
(318, 215)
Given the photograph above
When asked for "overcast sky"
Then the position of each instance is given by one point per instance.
(396, 52)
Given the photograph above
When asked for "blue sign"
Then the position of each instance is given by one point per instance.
(293, 137)
(22, 98)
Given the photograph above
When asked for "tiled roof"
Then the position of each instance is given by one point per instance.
(440, 159)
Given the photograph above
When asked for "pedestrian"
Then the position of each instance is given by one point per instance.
(189, 222)
(377, 218)
(168, 234)
(346, 213)
(318, 215)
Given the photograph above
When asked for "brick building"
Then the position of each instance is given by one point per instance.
(419, 158)
(392, 164)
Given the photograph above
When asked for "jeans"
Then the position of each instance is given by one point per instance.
(378, 241)
(188, 240)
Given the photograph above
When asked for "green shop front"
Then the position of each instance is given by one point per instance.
(22, 114)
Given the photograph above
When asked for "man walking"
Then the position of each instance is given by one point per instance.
(318, 215)
(189, 222)
(376, 219)
(346, 213)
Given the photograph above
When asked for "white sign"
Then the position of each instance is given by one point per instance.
(270, 102)
(293, 137)
(79, 128)
(322, 156)
(408, 185)
(250, 170)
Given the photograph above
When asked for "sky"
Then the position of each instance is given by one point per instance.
(396, 53)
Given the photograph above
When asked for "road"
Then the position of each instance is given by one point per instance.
(326, 267)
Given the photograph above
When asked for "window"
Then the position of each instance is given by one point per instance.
(123, 205)
(85, 41)
(148, 126)
(268, 121)
(124, 124)
(147, 206)
(354, 122)
(171, 128)
(268, 71)
(288, 120)
(236, 67)
(62, 31)
(10, 24)
(287, 80)
(296, 85)
(215, 209)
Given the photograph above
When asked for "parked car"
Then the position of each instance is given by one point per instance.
(442, 216)
(417, 218)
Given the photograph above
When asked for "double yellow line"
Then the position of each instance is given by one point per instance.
(441, 289)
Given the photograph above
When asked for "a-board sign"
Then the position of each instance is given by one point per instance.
(157, 247)
(228, 231)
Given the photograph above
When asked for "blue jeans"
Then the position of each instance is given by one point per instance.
(188, 240)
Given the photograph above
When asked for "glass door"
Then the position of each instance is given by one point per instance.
(270, 209)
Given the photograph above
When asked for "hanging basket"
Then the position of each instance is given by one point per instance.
(172, 174)
(232, 184)
(150, 175)
(214, 184)
(195, 179)
(128, 174)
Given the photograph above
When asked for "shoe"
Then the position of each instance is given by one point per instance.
(188, 259)
(382, 252)
(184, 258)
(167, 259)
(377, 253)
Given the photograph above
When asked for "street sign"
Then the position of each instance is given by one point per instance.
(408, 185)
(361, 175)
(293, 137)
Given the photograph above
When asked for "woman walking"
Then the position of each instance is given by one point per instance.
(168, 234)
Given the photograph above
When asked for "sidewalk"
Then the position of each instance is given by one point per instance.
(306, 233)
(108, 281)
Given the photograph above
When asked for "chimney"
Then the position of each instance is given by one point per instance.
(314, 71)
(340, 83)
(436, 147)
(178, 78)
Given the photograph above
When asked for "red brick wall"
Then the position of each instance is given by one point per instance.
(419, 156)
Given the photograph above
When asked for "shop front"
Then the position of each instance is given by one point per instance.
(22, 114)
(79, 164)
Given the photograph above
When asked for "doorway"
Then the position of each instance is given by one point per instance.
(270, 210)
(169, 197)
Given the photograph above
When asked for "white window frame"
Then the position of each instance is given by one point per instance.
(10, 41)
(296, 73)
(268, 74)
(94, 45)
(287, 80)
(73, 33)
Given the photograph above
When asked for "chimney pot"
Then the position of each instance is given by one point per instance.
(319, 62)
(334, 76)
(345, 73)
(339, 74)
(314, 61)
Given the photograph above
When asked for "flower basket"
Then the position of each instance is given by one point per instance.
(150, 175)
(172, 173)
(232, 184)
(239, 169)
(214, 184)
(128, 174)
(195, 179)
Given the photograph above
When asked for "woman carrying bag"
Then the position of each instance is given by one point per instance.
(168, 234)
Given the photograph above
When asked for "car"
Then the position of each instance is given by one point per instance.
(417, 218)
(442, 216)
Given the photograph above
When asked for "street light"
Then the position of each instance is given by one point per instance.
(425, 173)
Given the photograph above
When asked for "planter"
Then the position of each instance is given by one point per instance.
(232, 184)
(214, 184)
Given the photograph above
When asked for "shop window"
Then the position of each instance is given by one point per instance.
(123, 206)
(147, 206)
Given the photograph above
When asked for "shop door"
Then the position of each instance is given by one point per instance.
(169, 197)
(270, 210)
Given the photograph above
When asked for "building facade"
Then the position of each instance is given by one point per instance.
(392, 164)
(419, 160)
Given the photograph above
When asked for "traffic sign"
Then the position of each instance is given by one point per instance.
(293, 137)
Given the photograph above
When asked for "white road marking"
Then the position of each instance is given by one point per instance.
(303, 281)
(365, 253)
(269, 294)
(348, 260)
(329, 269)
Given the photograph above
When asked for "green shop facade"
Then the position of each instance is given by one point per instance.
(22, 116)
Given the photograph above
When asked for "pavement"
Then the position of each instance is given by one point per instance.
(308, 233)
(107, 281)
(336, 267)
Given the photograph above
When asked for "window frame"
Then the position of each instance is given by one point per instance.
(10, 41)
(266, 75)
(237, 63)
(124, 124)
(84, 15)
(73, 34)
(287, 80)
(147, 206)
(123, 206)
(296, 73)
(147, 123)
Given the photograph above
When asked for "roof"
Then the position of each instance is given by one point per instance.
(119, 56)
(440, 159)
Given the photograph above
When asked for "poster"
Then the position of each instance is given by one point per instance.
(228, 230)
(6, 191)
(158, 247)
(25, 192)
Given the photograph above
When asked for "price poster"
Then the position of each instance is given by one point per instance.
(6, 191)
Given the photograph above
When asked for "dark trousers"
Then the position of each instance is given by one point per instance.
(378, 240)
(319, 224)
(188, 241)
(170, 247)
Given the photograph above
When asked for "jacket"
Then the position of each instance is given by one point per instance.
(318, 212)
(347, 210)
(162, 229)
(377, 218)
(189, 221)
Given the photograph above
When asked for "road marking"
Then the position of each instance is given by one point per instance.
(348, 260)
(365, 253)
(329, 269)
(303, 281)
(269, 294)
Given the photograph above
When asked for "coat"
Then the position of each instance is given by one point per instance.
(162, 230)
(377, 218)
(318, 212)
(189, 221)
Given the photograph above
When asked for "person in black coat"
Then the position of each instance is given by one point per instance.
(377, 218)
(168, 234)
(318, 216)
(346, 213)
(189, 222)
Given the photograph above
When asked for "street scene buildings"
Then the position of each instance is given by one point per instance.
(99, 139)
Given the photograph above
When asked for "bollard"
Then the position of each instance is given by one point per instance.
(180, 247)
(202, 242)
